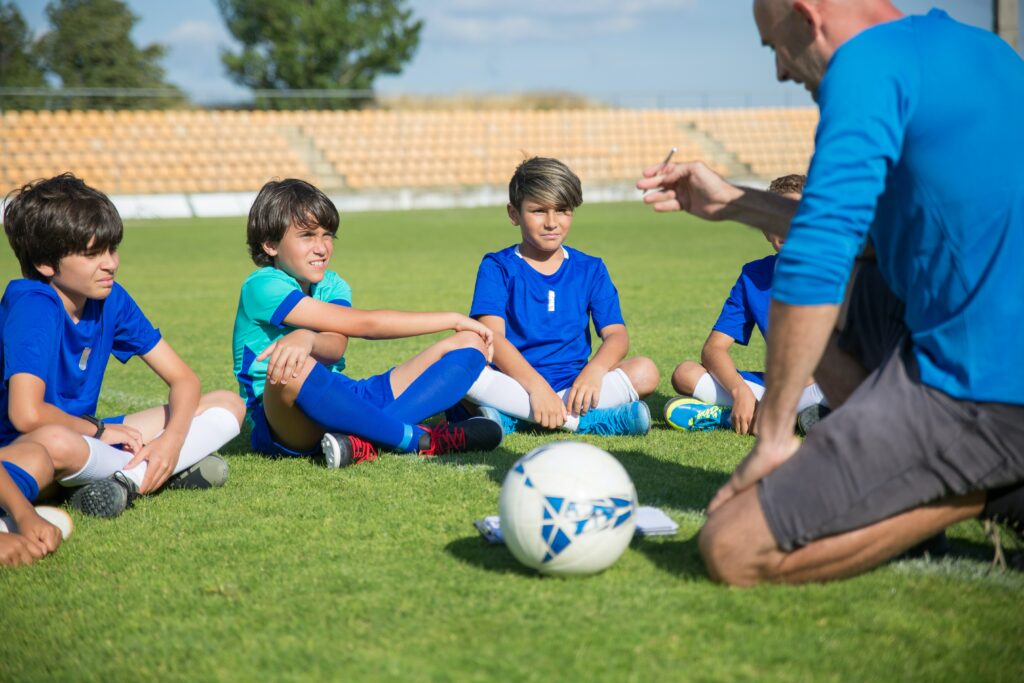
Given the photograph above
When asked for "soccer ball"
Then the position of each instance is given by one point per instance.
(567, 508)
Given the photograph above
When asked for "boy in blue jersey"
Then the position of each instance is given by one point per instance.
(539, 298)
(715, 393)
(58, 327)
(24, 468)
(291, 330)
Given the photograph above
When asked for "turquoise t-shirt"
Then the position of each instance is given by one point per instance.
(267, 297)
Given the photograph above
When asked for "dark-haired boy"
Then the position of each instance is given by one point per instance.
(539, 297)
(59, 327)
(291, 331)
(715, 393)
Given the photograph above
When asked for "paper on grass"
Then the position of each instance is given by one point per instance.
(650, 521)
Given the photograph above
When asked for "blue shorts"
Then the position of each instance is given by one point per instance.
(25, 482)
(753, 376)
(375, 390)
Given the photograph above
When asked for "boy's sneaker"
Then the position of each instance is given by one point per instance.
(629, 419)
(508, 423)
(810, 416)
(107, 497)
(690, 415)
(54, 516)
(1003, 506)
(210, 472)
(342, 450)
(474, 434)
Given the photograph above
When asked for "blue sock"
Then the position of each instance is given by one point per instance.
(440, 386)
(326, 400)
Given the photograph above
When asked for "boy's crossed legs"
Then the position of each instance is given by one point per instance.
(317, 401)
(98, 468)
(630, 381)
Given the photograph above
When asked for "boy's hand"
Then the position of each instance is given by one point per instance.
(547, 408)
(586, 390)
(37, 529)
(161, 455)
(744, 411)
(287, 355)
(122, 435)
(467, 324)
(16, 549)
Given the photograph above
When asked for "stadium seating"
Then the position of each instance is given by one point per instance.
(196, 151)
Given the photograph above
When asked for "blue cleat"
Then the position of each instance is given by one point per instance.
(508, 423)
(630, 419)
(690, 415)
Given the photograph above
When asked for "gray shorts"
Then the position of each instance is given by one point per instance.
(896, 444)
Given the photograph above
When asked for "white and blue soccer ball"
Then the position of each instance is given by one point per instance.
(567, 508)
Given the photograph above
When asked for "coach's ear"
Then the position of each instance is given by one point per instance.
(270, 248)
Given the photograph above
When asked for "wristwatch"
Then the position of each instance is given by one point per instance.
(100, 425)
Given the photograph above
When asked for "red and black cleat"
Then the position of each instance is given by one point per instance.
(474, 434)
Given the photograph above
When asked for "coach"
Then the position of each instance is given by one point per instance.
(920, 146)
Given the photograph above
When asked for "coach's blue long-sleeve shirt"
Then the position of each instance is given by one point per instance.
(921, 145)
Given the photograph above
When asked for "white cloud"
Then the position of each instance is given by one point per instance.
(196, 32)
(483, 21)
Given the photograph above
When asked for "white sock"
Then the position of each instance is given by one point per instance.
(103, 461)
(498, 390)
(710, 391)
(811, 395)
(209, 431)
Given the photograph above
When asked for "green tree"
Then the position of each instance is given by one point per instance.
(90, 46)
(19, 64)
(317, 44)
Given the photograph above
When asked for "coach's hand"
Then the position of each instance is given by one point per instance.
(122, 435)
(288, 355)
(690, 187)
(762, 459)
(547, 407)
(464, 323)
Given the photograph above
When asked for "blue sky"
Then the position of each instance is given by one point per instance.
(632, 52)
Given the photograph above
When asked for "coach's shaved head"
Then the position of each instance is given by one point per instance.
(806, 33)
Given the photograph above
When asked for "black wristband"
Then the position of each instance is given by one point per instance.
(100, 425)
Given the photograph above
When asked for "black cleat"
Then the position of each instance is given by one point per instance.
(107, 497)
(210, 472)
(342, 450)
(474, 434)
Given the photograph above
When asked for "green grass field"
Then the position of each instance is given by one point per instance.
(375, 572)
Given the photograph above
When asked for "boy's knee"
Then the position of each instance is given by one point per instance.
(644, 375)
(227, 400)
(288, 392)
(686, 375)
(34, 459)
(466, 340)
(65, 449)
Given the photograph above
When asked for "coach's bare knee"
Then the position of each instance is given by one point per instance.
(686, 375)
(228, 400)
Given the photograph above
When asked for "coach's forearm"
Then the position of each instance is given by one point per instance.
(797, 336)
(762, 210)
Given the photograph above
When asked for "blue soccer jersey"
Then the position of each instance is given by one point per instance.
(919, 145)
(40, 339)
(267, 297)
(547, 317)
(748, 302)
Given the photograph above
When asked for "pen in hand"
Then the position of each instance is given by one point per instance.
(668, 158)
